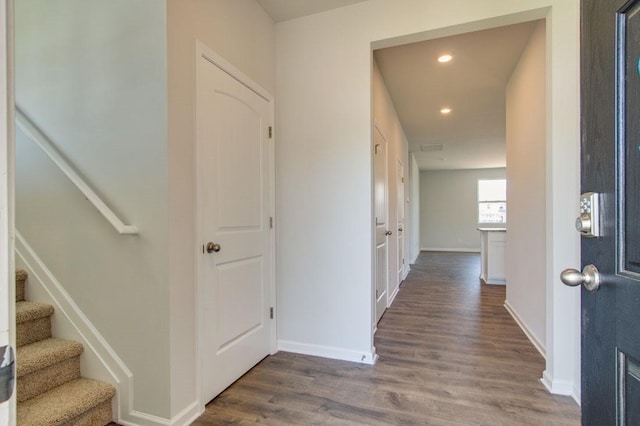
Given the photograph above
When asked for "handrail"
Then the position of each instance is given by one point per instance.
(30, 129)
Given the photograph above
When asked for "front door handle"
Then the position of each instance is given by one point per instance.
(388, 233)
(589, 277)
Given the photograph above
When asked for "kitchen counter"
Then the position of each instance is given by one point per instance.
(493, 251)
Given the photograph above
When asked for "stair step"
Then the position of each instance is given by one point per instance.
(33, 322)
(21, 277)
(79, 402)
(44, 365)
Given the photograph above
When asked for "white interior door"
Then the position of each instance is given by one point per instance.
(400, 216)
(234, 163)
(382, 226)
(7, 292)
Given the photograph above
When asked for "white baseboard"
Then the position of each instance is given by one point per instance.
(365, 357)
(98, 361)
(452, 249)
(536, 343)
(557, 387)
(183, 418)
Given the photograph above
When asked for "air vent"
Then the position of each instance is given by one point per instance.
(432, 147)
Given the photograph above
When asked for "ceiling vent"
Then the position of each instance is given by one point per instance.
(432, 147)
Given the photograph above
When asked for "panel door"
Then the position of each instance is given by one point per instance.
(400, 215)
(234, 202)
(382, 225)
(611, 166)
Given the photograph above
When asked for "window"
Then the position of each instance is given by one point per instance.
(492, 201)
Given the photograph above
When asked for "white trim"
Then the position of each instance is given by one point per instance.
(7, 199)
(328, 352)
(451, 249)
(188, 415)
(536, 343)
(557, 387)
(183, 418)
(31, 131)
(99, 360)
(203, 51)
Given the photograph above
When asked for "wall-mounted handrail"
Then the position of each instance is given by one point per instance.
(30, 129)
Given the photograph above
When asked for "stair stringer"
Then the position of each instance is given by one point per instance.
(99, 361)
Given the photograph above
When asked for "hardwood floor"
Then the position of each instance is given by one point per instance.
(450, 354)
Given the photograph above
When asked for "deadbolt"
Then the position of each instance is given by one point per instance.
(213, 247)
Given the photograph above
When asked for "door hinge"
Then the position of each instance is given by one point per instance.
(402, 180)
(270, 132)
(376, 294)
(203, 248)
(271, 223)
(271, 312)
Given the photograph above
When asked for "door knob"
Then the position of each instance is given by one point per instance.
(213, 247)
(589, 277)
(388, 233)
(399, 229)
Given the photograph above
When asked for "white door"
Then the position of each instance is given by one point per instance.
(382, 226)
(234, 169)
(7, 293)
(400, 216)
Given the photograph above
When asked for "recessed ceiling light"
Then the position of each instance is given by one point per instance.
(445, 58)
(446, 110)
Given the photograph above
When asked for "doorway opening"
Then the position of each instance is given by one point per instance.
(469, 107)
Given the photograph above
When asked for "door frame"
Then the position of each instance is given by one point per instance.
(7, 199)
(562, 369)
(202, 51)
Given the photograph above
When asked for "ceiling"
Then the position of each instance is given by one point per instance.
(283, 10)
(473, 84)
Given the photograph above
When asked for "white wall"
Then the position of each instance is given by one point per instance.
(242, 33)
(386, 118)
(324, 161)
(526, 189)
(92, 75)
(449, 208)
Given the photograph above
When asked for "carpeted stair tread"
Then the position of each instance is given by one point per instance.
(45, 353)
(21, 277)
(63, 404)
(27, 311)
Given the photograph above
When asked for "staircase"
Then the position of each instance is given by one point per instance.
(50, 390)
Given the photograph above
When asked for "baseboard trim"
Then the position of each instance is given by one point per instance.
(536, 343)
(557, 387)
(188, 415)
(328, 352)
(99, 360)
(452, 249)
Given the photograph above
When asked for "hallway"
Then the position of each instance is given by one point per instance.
(450, 354)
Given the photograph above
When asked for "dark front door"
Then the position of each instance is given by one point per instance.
(610, 123)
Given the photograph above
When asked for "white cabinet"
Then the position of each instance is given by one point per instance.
(493, 251)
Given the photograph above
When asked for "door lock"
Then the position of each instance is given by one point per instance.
(588, 223)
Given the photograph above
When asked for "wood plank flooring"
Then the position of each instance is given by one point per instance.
(450, 354)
